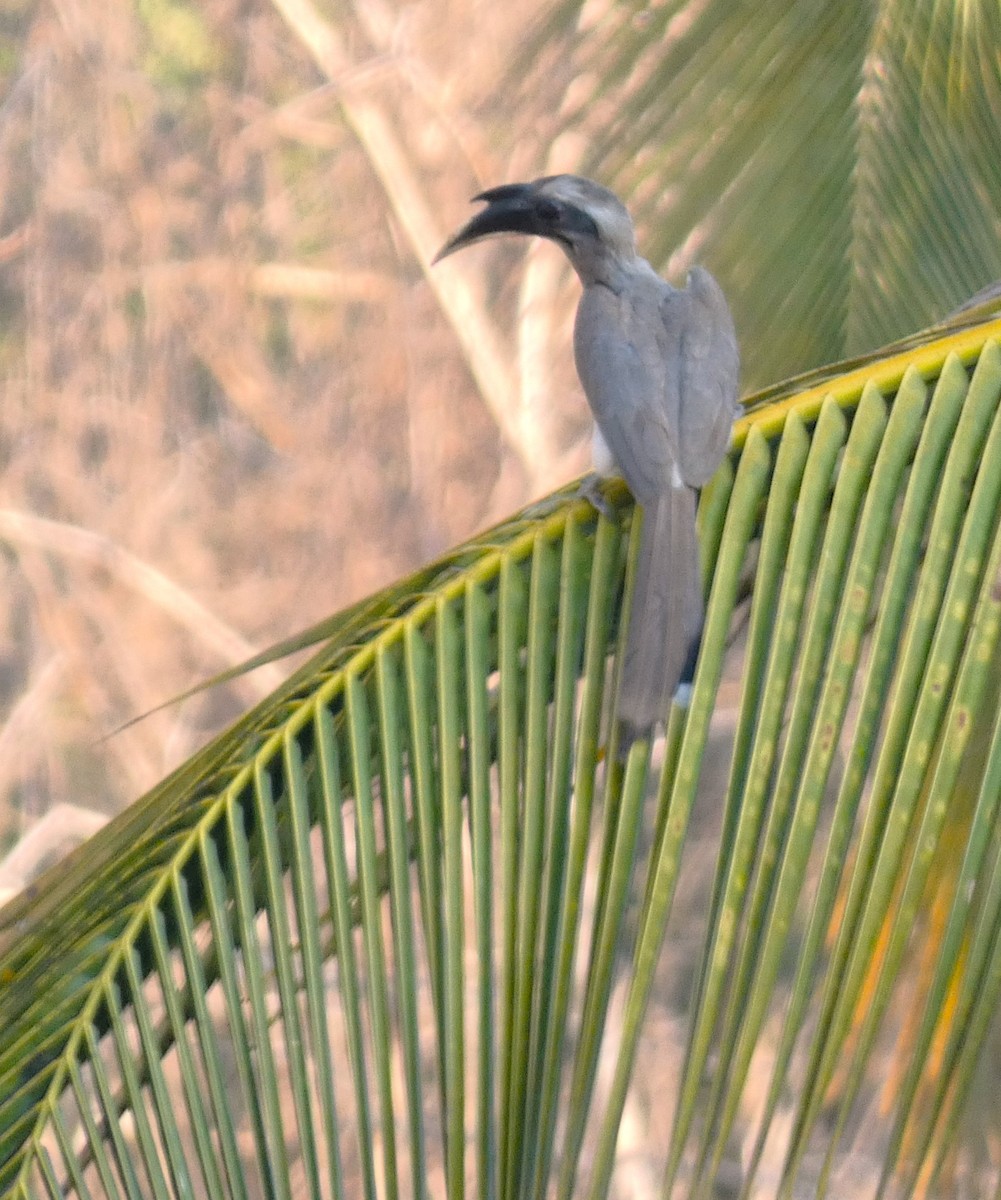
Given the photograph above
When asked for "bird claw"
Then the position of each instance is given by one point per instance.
(590, 490)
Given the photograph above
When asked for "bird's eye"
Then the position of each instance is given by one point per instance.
(548, 210)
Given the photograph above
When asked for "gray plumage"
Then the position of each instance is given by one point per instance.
(659, 369)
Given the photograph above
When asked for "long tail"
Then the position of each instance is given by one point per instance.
(665, 621)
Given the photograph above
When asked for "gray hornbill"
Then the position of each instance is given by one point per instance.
(659, 369)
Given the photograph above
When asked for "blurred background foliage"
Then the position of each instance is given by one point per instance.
(233, 398)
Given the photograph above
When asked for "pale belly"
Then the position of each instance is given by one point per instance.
(602, 458)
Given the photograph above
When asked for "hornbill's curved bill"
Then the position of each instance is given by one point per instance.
(516, 208)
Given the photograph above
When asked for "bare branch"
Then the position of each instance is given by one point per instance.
(489, 360)
(72, 541)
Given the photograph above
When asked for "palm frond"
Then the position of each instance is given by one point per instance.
(926, 217)
(835, 165)
(412, 928)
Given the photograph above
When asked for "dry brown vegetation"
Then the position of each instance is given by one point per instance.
(232, 402)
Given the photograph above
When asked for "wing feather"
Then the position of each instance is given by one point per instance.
(620, 369)
(709, 367)
(659, 368)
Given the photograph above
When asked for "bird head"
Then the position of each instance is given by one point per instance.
(586, 219)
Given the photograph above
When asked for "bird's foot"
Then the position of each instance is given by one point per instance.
(590, 490)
